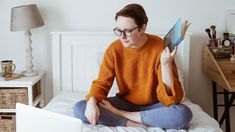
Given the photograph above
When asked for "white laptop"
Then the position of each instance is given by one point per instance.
(31, 119)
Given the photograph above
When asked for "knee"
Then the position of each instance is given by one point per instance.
(79, 110)
(183, 116)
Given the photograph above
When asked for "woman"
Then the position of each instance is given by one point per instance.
(149, 88)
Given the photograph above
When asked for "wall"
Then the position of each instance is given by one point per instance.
(80, 15)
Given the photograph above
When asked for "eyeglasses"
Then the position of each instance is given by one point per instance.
(125, 32)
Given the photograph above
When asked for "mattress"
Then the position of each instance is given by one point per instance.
(201, 122)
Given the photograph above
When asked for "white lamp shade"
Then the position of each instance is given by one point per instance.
(25, 17)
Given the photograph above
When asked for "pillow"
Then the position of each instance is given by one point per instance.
(181, 78)
(114, 89)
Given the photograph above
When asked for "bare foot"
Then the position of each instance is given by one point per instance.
(135, 124)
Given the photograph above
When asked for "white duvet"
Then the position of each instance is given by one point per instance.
(201, 122)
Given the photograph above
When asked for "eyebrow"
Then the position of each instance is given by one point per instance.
(124, 29)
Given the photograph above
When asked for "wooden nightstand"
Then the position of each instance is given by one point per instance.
(221, 72)
(27, 90)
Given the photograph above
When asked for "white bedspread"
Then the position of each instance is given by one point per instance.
(201, 122)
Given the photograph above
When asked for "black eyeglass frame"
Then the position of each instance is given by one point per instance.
(124, 31)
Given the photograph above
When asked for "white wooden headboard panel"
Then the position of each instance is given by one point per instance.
(75, 62)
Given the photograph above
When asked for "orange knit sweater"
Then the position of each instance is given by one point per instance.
(138, 74)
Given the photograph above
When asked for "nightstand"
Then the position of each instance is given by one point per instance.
(221, 72)
(26, 90)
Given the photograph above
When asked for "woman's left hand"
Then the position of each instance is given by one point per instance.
(105, 104)
(167, 56)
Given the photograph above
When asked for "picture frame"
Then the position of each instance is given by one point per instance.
(231, 21)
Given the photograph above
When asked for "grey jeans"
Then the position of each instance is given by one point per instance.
(175, 116)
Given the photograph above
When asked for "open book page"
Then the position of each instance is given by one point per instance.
(174, 37)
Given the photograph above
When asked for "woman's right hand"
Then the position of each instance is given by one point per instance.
(92, 111)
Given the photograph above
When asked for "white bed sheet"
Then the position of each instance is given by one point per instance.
(64, 102)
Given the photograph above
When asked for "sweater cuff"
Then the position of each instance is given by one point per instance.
(98, 97)
(174, 97)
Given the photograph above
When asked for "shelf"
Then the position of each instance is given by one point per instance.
(222, 71)
(22, 82)
(7, 110)
(26, 90)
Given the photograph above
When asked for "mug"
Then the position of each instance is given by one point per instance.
(7, 67)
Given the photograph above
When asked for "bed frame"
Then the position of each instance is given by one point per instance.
(74, 58)
(75, 66)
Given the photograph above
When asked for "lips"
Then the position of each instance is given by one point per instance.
(125, 41)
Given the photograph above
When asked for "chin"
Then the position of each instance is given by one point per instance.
(126, 45)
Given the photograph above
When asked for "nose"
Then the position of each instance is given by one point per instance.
(123, 36)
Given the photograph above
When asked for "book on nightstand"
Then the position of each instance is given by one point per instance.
(13, 77)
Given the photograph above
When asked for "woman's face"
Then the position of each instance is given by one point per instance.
(128, 25)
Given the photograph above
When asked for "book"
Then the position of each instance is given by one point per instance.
(13, 77)
(176, 34)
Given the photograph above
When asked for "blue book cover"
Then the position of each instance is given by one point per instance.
(174, 36)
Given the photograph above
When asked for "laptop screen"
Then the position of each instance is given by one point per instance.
(31, 119)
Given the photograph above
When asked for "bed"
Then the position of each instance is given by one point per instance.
(76, 57)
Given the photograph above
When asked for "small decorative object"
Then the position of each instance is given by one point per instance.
(7, 67)
(213, 31)
(226, 42)
(24, 18)
(208, 31)
(219, 45)
(220, 50)
(213, 43)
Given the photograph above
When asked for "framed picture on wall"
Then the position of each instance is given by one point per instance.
(231, 21)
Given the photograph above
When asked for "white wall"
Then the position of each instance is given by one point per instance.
(99, 15)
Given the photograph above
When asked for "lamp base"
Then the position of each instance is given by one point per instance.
(30, 74)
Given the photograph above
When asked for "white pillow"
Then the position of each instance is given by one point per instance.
(181, 78)
(114, 88)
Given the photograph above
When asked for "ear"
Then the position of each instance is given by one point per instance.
(143, 28)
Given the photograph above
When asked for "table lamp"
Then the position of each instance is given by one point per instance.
(25, 18)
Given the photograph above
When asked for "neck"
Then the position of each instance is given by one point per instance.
(141, 42)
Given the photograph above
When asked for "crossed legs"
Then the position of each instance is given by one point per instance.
(119, 112)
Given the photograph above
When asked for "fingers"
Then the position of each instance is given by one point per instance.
(94, 120)
(167, 56)
(103, 102)
(167, 50)
(92, 114)
(166, 53)
(174, 51)
(91, 122)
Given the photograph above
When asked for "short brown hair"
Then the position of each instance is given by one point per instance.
(134, 11)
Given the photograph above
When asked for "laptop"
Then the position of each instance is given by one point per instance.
(31, 119)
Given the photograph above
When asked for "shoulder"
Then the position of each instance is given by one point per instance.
(114, 46)
(155, 41)
(155, 38)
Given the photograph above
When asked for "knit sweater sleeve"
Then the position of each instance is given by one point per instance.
(101, 86)
(177, 92)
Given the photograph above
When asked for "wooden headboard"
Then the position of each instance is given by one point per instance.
(75, 59)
